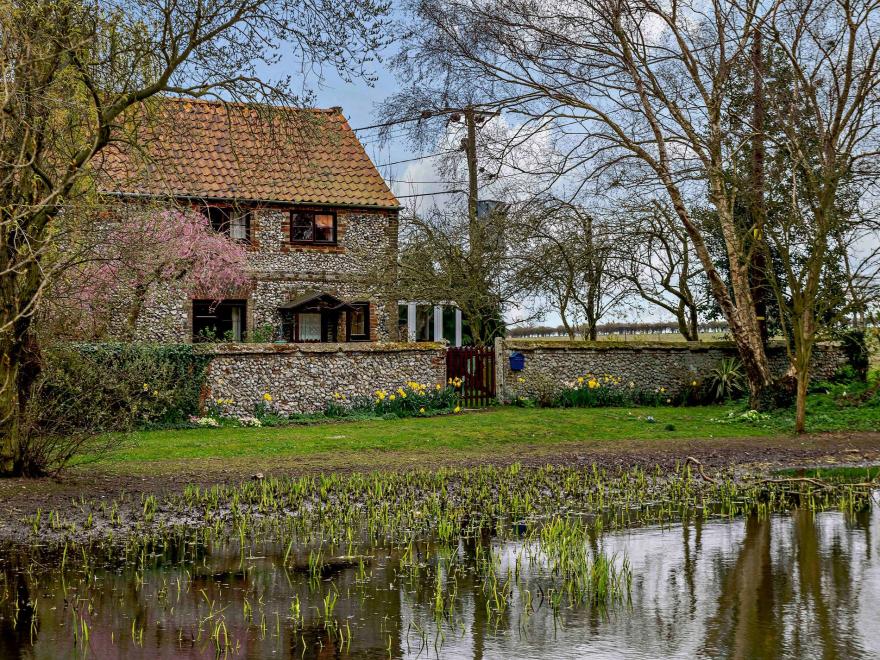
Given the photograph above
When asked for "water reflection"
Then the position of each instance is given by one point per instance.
(799, 585)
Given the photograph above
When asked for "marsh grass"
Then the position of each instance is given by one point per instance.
(485, 538)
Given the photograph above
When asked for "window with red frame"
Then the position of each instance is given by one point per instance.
(313, 227)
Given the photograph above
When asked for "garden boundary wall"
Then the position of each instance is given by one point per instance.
(304, 378)
(648, 365)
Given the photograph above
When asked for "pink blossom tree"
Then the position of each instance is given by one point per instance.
(175, 248)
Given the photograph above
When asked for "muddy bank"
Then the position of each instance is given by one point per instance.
(99, 487)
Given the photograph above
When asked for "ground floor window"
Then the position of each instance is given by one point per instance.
(359, 322)
(225, 320)
(309, 327)
(322, 317)
(315, 326)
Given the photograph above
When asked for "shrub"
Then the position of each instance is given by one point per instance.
(855, 346)
(848, 374)
(125, 385)
(86, 397)
(727, 380)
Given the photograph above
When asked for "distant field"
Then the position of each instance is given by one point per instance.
(658, 336)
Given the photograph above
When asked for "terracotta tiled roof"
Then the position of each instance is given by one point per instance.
(214, 150)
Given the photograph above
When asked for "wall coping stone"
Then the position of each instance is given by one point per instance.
(321, 347)
(566, 345)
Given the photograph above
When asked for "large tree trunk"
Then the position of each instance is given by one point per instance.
(9, 418)
(20, 365)
(738, 310)
(15, 376)
(800, 418)
(804, 340)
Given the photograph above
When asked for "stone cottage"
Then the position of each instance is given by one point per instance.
(297, 188)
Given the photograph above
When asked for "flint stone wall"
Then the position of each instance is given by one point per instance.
(648, 365)
(303, 377)
(281, 271)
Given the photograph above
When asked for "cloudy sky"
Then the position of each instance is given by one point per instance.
(409, 180)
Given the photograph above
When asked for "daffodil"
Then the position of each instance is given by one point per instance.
(392, 397)
(146, 387)
(580, 380)
(457, 409)
(267, 397)
(593, 383)
(422, 410)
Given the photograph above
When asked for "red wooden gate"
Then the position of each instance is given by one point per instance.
(476, 369)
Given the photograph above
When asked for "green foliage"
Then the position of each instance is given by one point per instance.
(209, 336)
(606, 392)
(855, 345)
(848, 374)
(613, 397)
(727, 380)
(261, 334)
(88, 396)
(410, 400)
(125, 385)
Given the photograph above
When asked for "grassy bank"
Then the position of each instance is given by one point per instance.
(493, 431)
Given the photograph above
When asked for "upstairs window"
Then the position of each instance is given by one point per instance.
(233, 221)
(312, 227)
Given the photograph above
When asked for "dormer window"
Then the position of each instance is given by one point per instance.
(313, 227)
(233, 221)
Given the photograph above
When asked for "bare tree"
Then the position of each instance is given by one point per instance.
(77, 75)
(445, 258)
(655, 255)
(826, 146)
(641, 95)
(642, 89)
(568, 256)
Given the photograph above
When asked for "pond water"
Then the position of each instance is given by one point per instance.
(795, 585)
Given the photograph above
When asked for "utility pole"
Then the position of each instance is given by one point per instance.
(476, 230)
(469, 145)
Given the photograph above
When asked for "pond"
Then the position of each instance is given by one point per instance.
(795, 584)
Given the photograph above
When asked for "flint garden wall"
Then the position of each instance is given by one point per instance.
(648, 366)
(302, 378)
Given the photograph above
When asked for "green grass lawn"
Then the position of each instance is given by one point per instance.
(490, 429)
(496, 430)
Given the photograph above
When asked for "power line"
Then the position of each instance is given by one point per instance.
(428, 114)
(440, 192)
(410, 160)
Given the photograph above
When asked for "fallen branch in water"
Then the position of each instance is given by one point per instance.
(818, 483)
(809, 480)
(691, 459)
